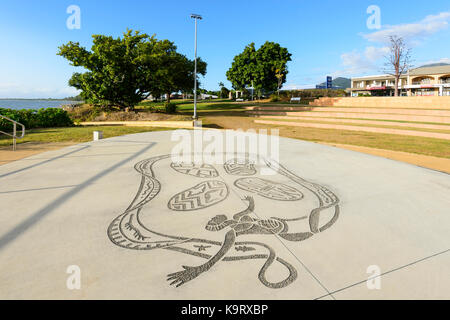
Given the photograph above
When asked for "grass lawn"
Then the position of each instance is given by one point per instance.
(226, 114)
(188, 105)
(210, 106)
(76, 134)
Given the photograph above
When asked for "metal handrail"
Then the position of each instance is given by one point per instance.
(14, 134)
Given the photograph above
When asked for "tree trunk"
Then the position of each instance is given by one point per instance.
(128, 108)
(168, 97)
(397, 80)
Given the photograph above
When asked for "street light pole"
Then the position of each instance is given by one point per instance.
(195, 17)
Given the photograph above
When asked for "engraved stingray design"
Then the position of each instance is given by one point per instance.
(269, 189)
(240, 167)
(129, 232)
(203, 195)
(196, 170)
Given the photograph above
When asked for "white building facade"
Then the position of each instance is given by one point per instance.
(424, 81)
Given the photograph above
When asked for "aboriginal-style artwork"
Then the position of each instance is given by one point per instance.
(203, 195)
(240, 167)
(134, 228)
(202, 247)
(200, 171)
(244, 248)
(269, 189)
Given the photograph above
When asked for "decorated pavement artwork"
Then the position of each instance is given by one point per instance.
(130, 232)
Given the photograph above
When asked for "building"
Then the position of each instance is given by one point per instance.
(205, 96)
(423, 81)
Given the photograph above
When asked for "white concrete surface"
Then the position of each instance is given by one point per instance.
(72, 207)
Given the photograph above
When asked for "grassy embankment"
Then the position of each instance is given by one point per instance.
(228, 115)
(77, 134)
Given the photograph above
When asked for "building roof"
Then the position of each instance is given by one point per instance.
(377, 77)
(421, 71)
(430, 70)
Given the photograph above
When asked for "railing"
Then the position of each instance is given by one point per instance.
(421, 82)
(14, 134)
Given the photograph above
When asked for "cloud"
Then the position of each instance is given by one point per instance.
(442, 60)
(356, 62)
(412, 32)
(369, 59)
(14, 90)
(373, 54)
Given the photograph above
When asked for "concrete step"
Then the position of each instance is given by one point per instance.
(435, 135)
(279, 108)
(362, 122)
(369, 116)
(420, 112)
(434, 102)
(400, 111)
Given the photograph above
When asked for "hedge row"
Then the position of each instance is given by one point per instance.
(42, 118)
(311, 94)
(169, 108)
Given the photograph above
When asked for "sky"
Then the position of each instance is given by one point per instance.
(325, 37)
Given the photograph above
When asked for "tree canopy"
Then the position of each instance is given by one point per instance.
(176, 73)
(266, 67)
(224, 92)
(124, 71)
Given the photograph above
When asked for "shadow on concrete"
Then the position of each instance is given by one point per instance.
(21, 228)
(37, 189)
(43, 162)
(92, 155)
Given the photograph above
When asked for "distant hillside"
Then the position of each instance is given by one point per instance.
(340, 82)
(435, 65)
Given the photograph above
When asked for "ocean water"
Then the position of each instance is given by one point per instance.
(34, 104)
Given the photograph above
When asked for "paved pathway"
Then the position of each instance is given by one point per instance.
(163, 124)
(130, 219)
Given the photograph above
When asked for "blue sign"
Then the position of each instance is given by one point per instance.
(329, 82)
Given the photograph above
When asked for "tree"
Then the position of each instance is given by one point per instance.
(224, 92)
(120, 71)
(124, 71)
(270, 58)
(398, 60)
(265, 67)
(280, 76)
(176, 73)
(243, 68)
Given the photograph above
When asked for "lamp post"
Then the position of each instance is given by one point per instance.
(195, 17)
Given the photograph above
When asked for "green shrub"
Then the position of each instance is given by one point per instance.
(274, 98)
(311, 94)
(156, 109)
(170, 108)
(42, 118)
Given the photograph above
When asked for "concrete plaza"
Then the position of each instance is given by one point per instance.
(140, 226)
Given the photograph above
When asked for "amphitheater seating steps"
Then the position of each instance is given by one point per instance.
(403, 115)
